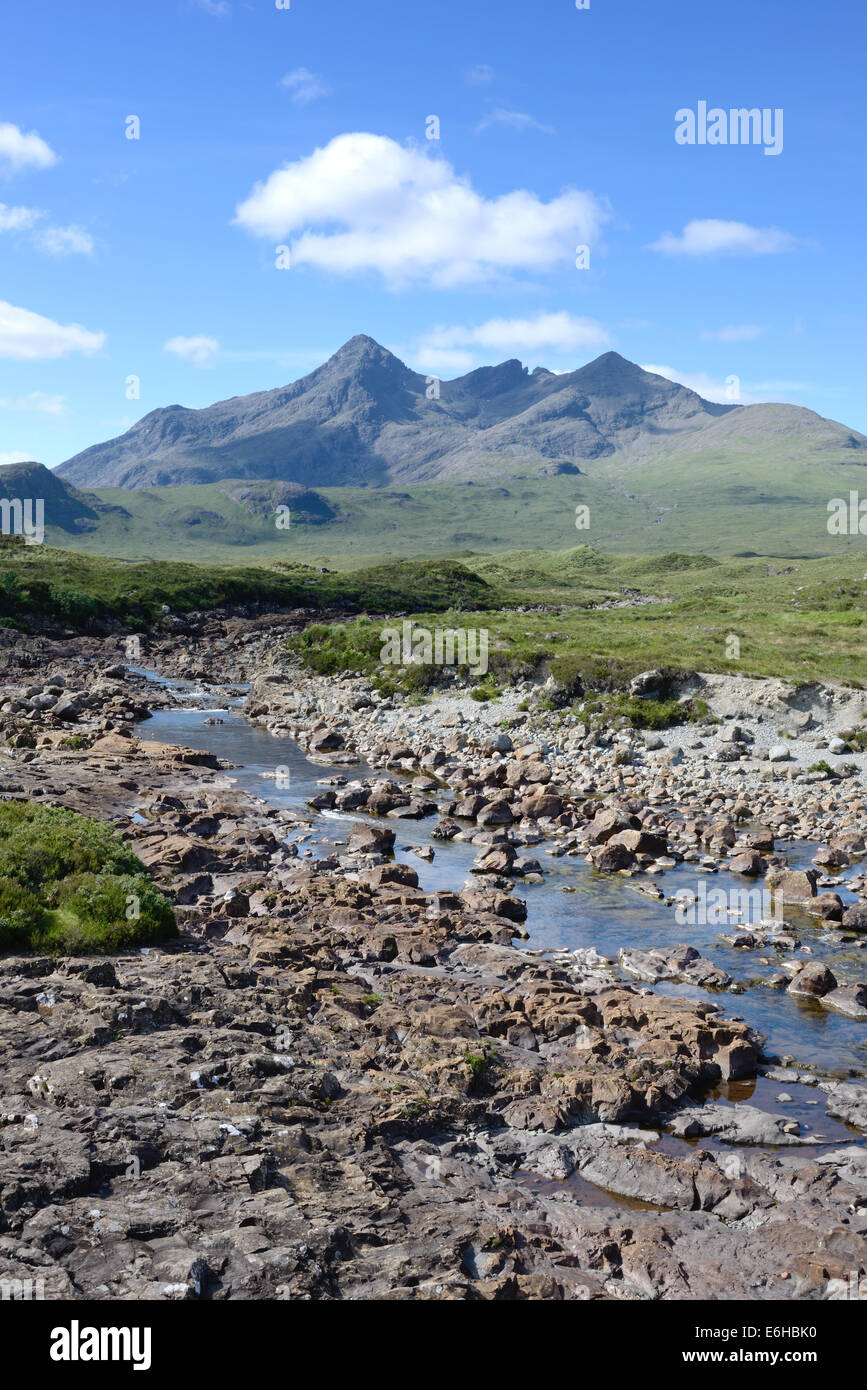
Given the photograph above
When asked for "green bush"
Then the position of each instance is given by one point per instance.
(645, 714)
(70, 886)
(334, 649)
(42, 844)
(21, 914)
(578, 671)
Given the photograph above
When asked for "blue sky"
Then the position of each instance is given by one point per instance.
(261, 127)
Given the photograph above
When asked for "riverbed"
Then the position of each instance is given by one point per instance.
(574, 907)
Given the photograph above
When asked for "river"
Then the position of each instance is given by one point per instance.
(574, 907)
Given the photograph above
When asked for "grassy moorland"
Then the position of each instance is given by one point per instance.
(760, 502)
(584, 616)
(39, 584)
(600, 619)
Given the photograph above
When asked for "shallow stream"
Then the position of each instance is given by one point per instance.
(574, 907)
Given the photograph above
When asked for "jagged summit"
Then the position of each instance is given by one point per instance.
(364, 418)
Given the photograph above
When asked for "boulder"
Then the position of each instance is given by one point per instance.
(325, 740)
(541, 806)
(829, 906)
(640, 842)
(647, 683)
(445, 829)
(850, 1000)
(494, 861)
(371, 838)
(792, 885)
(609, 858)
(609, 822)
(750, 864)
(402, 874)
(814, 979)
(855, 917)
(68, 708)
(761, 839)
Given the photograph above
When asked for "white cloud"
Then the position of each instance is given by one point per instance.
(18, 219)
(458, 347)
(517, 120)
(20, 151)
(51, 241)
(734, 333)
(711, 236)
(216, 7)
(731, 391)
(201, 351)
(30, 337)
(700, 382)
(15, 456)
(64, 241)
(35, 402)
(480, 75)
(406, 214)
(305, 86)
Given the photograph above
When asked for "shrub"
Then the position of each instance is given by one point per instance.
(21, 914)
(41, 844)
(646, 714)
(69, 885)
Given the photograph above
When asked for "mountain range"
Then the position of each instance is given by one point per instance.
(369, 458)
(365, 419)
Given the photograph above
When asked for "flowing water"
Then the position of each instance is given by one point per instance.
(573, 907)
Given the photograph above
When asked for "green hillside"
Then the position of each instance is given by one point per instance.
(764, 504)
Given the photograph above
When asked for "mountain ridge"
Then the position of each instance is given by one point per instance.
(364, 418)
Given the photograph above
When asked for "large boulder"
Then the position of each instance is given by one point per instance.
(792, 885)
(855, 917)
(609, 822)
(371, 839)
(491, 900)
(401, 874)
(640, 842)
(814, 979)
(68, 708)
(848, 999)
(761, 839)
(495, 813)
(750, 864)
(494, 861)
(608, 858)
(541, 806)
(325, 740)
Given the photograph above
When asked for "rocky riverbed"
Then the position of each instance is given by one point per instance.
(341, 1083)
